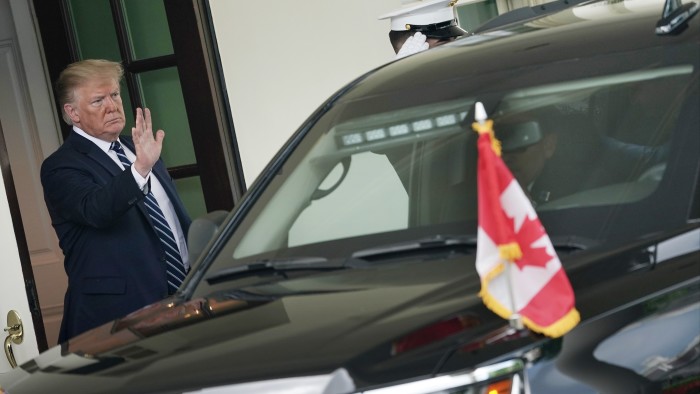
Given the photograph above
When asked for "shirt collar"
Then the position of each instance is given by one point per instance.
(104, 145)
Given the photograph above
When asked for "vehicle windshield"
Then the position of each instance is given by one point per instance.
(590, 148)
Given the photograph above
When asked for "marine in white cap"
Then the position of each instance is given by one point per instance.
(421, 24)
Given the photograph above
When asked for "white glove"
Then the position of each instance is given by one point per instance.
(414, 44)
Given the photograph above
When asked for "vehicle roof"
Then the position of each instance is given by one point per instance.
(591, 29)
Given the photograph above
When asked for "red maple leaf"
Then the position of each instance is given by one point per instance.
(530, 232)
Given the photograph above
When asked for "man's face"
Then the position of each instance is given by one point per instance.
(97, 109)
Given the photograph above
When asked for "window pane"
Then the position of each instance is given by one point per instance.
(128, 109)
(190, 190)
(162, 94)
(587, 144)
(383, 202)
(94, 29)
(147, 27)
(472, 15)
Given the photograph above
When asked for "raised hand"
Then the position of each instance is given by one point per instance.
(147, 145)
(414, 44)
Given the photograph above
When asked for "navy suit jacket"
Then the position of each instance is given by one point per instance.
(112, 255)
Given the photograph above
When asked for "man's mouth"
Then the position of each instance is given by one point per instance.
(114, 120)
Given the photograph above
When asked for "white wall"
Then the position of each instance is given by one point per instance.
(283, 58)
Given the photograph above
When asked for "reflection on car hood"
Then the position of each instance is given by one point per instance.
(388, 322)
(320, 321)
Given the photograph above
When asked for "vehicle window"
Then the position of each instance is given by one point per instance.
(365, 196)
(590, 150)
(612, 136)
(393, 161)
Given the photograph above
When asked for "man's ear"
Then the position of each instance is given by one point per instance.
(71, 112)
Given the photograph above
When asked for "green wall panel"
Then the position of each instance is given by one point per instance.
(163, 96)
(128, 109)
(94, 29)
(190, 191)
(147, 26)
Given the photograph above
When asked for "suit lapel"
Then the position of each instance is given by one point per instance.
(89, 149)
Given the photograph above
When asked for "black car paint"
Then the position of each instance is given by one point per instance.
(263, 330)
(213, 350)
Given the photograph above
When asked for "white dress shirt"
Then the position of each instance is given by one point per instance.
(156, 188)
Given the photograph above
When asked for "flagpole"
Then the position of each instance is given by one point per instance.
(515, 319)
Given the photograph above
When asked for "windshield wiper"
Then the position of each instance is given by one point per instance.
(275, 266)
(438, 242)
(432, 244)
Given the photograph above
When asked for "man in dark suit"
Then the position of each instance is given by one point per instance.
(121, 252)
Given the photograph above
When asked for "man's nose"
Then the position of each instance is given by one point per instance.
(110, 104)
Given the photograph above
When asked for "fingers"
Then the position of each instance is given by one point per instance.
(160, 135)
(148, 144)
(144, 124)
(149, 124)
(137, 130)
(414, 44)
(419, 38)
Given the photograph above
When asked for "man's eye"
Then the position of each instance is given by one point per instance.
(115, 95)
(97, 103)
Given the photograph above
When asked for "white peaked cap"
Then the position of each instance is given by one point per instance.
(421, 13)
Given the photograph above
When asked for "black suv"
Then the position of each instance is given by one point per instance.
(349, 266)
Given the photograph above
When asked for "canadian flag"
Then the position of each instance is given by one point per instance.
(521, 275)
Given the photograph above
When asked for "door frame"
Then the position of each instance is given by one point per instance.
(213, 136)
(22, 247)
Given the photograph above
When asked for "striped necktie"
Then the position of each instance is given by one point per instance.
(175, 267)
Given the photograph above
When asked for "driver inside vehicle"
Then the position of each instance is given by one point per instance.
(555, 154)
(526, 147)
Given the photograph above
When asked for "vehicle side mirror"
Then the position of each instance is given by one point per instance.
(202, 231)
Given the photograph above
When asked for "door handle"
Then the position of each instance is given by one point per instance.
(15, 334)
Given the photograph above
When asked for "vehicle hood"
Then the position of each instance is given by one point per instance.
(389, 321)
(404, 317)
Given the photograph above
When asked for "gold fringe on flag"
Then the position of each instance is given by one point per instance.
(487, 127)
(561, 327)
(492, 302)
